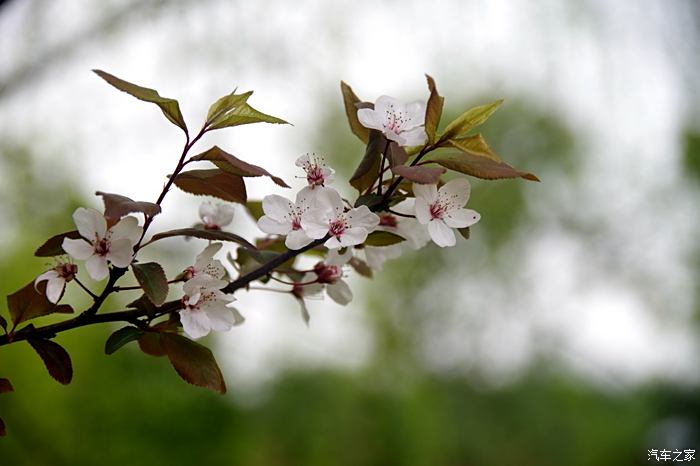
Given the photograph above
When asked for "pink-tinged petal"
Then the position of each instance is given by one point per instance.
(328, 174)
(221, 318)
(78, 248)
(461, 218)
(306, 198)
(369, 118)
(120, 253)
(194, 323)
(97, 267)
(207, 210)
(205, 262)
(386, 103)
(315, 223)
(353, 236)
(201, 282)
(416, 115)
(297, 239)
(457, 191)
(333, 243)
(426, 192)
(329, 199)
(54, 289)
(302, 160)
(441, 234)
(339, 292)
(277, 207)
(127, 228)
(335, 258)
(48, 275)
(363, 217)
(90, 223)
(238, 318)
(422, 211)
(274, 227)
(392, 136)
(413, 137)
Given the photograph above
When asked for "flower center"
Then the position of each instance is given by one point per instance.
(437, 210)
(393, 120)
(296, 223)
(328, 273)
(388, 220)
(337, 227)
(66, 271)
(314, 175)
(211, 226)
(102, 247)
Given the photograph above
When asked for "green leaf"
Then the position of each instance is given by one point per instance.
(5, 386)
(221, 107)
(433, 110)
(29, 303)
(153, 281)
(56, 359)
(245, 115)
(193, 362)
(420, 174)
(469, 119)
(255, 209)
(211, 235)
(368, 171)
(3, 429)
(117, 206)
(480, 167)
(54, 245)
(371, 200)
(143, 303)
(121, 337)
(350, 101)
(234, 165)
(382, 238)
(169, 107)
(214, 182)
(475, 145)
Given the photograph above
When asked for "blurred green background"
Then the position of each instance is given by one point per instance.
(564, 332)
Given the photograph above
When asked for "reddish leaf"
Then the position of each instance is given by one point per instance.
(149, 342)
(3, 323)
(397, 155)
(153, 281)
(232, 164)
(420, 174)
(368, 171)
(143, 304)
(29, 303)
(121, 337)
(433, 110)
(5, 386)
(211, 235)
(193, 362)
(361, 267)
(54, 245)
(480, 167)
(55, 358)
(465, 232)
(117, 206)
(215, 182)
(350, 100)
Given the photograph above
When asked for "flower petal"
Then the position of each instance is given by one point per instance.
(127, 228)
(339, 292)
(90, 223)
(207, 210)
(413, 137)
(274, 227)
(194, 323)
(363, 217)
(426, 192)
(332, 243)
(297, 239)
(353, 236)
(423, 210)
(415, 112)
(221, 318)
(461, 218)
(441, 234)
(48, 275)
(315, 223)
(78, 248)
(120, 253)
(54, 289)
(457, 191)
(369, 118)
(277, 207)
(329, 199)
(97, 267)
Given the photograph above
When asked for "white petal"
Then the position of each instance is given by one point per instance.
(333, 243)
(54, 289)
(127, 228)
(315, 223)
(221, 318)
(48, 275)
(416, 115)
(441, 234)
(457, 191)
(461, 218)
(329, 199)
(369, 118)
(97, 267)
(207, 210)
(426, 192)
(194, 323)
(335, 258)
(413, 137)
(353, 236)
(120, 252)
(384, 103)
(277, 207)
(339, 292)
(363, 217)
(208, 254)
(238, 318)
(303, 160)
(297, 239)
(274, 227)
(90, 223)
(223, 215)
(78, 248)
(422, 210)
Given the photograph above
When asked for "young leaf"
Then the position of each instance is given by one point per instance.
(117, 206)
(225, 104)
(371, 200)
(433, 111)
(53, 246)
(214, 182)
(55, 359)
(211, 235)
(232, 164)
(475, 145)
(361, 267)
(245, 115)
(5, 386)
(368, 171)
(193, 362)
(465, 232)
(3, 429)
(480, 167)
(153, 281)
(382, 238)
(29, 303)
(469, 119)
(121, 337)
(149, 343)
(255, 209)
(420, 174)
(397, 155)
(350, 101)
(169, 107)
(3, 323)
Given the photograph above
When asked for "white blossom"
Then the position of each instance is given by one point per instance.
(318, 174)
(205, 264)
(205, 307)
(442, 210)
(283, 217)
(56, 280)
(403, 123)
(329, 217)
(215, 216)
(327, 275)
(102, 244)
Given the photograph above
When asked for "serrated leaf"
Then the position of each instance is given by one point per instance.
(420, 174)
(350, 101)
(153, 281)
(397, 155)
(169, 107)
(193, 362)
(149, 343)
(226, 104)
(117, 206)
(367, 171)
(245, 115)
(121, 337)
(56, 359)
(433, 110)
(382, 238)
(232, 164)
(211, 235)
(255, 209)
(5, 386)
(475, 145)
(361, 267)
(214, 182)
(371, 200)
(480, 167)
(469, 119)
(143, 303)
(54, 245)
(29, 303)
